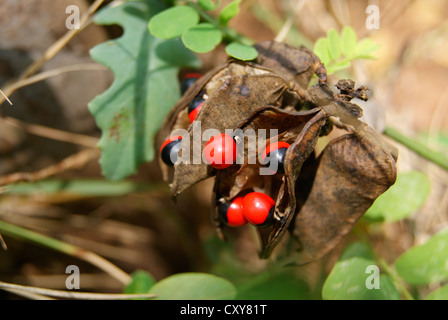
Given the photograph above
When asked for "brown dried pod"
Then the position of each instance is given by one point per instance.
(317, 199)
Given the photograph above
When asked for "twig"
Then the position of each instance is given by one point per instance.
(54, 134)
(437, 158)
(62, 42)
(43, 292)
(94, 259)
(58, 45)
(6, 97)
(74, 161)
(48, 74)
(3, 243)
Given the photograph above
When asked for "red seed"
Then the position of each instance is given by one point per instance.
(259, 208)
(220, 151)
(231, 213)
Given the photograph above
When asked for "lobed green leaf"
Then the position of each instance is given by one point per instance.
(144, 90)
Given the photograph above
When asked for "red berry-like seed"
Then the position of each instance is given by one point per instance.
(220, 151)
(169, 150)
(231, 213)
(192, 75)
(258, 208)
(194, 113)
(274, 154)
(273, 147)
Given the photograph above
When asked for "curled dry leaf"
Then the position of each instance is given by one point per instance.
(317, 199)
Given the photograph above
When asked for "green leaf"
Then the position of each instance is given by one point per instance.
(141, 282)
(349, 277)
(241, 51)
(333, 67)
(202, 38)
(229, 11)
(321, 50)
(144, 90)
(356, 249)
(365, 47)
(208, 4)
(407, 195)
(274, 286)
(348, 41)
(334, 44)
(438, 294)
(426, 263)
(173, 22)
(193, 286)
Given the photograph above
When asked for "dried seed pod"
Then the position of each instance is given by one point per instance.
(352, 172)
(317, 199)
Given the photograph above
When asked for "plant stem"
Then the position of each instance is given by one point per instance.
(228, 33)
(437, 158)
(395, 278)
(40, 239)
(44, 292)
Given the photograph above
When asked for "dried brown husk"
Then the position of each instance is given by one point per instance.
(317, 199)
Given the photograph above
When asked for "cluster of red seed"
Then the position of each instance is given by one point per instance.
(220, 152)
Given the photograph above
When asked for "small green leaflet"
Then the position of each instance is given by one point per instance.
(208, 4)
(231, 10)
(426, 263)
(144, 90)
(173, 22)
(353, 278)
(406, 196)
(193, 286)
(241, 51)
(202, 38)
(141, 282)
(337, 51)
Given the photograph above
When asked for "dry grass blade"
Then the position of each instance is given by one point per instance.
(6, 98)
(57, 46)
(92, 258)
(48, 74)
(38, 293)
(3, 243)
(54, 134)
(74, 161)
